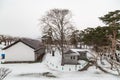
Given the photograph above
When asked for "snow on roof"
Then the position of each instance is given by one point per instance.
(76, 51)
(71, 52)
(80, 50)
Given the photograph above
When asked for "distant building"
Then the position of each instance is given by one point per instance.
(72, 56)
(24, 50)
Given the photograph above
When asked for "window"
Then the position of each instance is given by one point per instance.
(3, 56)
(72, 57)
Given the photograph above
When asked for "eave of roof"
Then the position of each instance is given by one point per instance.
(16, 43)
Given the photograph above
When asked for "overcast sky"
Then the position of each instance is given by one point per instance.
(20, 17)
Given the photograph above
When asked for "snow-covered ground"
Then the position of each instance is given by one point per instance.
(24, 71)
(34, 71)
(54, 62)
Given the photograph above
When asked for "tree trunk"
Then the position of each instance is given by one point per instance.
(86, 67)
(62, 36)
(93, 63)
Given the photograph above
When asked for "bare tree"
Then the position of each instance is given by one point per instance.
(57, 23)
(7, 40)
(4, 72)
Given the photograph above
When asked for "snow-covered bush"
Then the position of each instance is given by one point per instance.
(4, 72)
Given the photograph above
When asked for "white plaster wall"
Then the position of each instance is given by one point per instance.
(19, 52)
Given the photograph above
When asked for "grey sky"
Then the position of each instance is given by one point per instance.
(20, 17)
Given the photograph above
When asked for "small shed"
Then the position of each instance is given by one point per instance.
(72, 56)
(24, 50)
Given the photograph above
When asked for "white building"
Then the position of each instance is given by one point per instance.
(24, 50)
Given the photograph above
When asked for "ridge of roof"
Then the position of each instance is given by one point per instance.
(35, 44)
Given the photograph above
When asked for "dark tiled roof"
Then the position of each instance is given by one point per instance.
(35, 44)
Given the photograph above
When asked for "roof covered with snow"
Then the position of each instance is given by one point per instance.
(80, 50)
(71, 52)
(76, 51)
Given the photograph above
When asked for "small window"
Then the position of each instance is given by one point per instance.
(3, 56)
(72, 57)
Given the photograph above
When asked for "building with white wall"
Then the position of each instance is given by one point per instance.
(24, 50)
